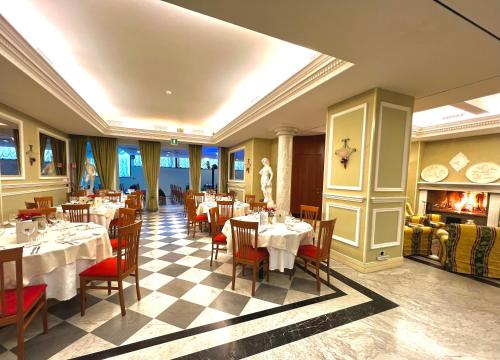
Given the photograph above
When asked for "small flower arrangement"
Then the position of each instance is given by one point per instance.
(29, 217)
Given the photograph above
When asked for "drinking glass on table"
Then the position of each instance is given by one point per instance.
(42, 228)
(28, 231)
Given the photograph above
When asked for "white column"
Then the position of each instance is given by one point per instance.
(284, 170)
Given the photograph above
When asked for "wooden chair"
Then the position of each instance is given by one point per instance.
(258, 206)
(44, 202)
(78, 213)
(20, 305)
(134, 202)
(192, 218)
(226, 211)
(232, 193)
(321, 252)
(114, 196)
(186, 196)
(41, 212)
(245, 250)
(309, 214)
(126, 216)
(198, 198)
(218, 238)
(249, 199)
(102, 192)
(81, 192)
(141, 195)
(117, 268)
(30, 205)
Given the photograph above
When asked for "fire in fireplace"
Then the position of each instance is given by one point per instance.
(468, 202)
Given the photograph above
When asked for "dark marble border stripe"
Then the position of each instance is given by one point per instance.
(436, 266)
(123, 349)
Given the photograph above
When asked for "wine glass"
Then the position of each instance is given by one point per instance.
(28, 231)
(42, 228)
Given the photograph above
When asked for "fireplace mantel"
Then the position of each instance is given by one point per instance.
(460, 186)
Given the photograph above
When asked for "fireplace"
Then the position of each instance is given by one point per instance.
(459, 206)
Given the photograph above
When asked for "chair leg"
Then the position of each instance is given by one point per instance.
(216, 251)
(267, 271)
(194, 229)
(212, 255)
(82, 296)
(328, 270)
(234, 275)
(318, 284)
(254, 278)
(20, 340)
(45, 323)
(137, 288)
(109, 287)
(122, 298)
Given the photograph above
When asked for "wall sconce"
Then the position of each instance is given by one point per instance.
(248, 166)
(31, 155)
(345, 152)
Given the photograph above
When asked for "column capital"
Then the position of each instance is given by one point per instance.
(286, 130)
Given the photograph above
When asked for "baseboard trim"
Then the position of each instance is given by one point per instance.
(366, 267)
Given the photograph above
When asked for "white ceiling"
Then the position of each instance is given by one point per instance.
(123, 57)
(418, 48)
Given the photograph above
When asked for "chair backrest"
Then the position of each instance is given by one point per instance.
(214, 220)
(199, 198)
(140, 197)
(6, 256)
(258, 205)
(325, 235)
(226, 209)
(103, 192)
(130, 204)
(244, 237)
(30, 205)
(114, 196)
(309, 214)
(232, 193)
(44, 202)
(135, 200)
(249, 199)
(190, 208)
(78, 213)
(81, 192)
(126, 216)
(128, 247)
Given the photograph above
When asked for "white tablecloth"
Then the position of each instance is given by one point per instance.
(282, 241)
(58, 264)
(103, 214)
(240, 208)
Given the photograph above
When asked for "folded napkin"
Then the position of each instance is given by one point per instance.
(301, 226)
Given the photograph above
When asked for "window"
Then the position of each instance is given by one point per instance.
(237, 164)
(209, 157)
(10, 157)
(53, 153)
(123, 163)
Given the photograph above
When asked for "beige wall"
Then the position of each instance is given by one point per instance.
(16, 191)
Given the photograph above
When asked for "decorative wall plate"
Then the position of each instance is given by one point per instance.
(434, 173)
(483, 173)
(459, 161)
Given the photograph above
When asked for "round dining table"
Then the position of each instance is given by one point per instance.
(104, 213)
(282, 240)
(63, 252)
(240, 208)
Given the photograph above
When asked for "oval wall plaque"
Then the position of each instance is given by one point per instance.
(434, 173)
(483, 173)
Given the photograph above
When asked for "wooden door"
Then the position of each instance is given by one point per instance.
(307, 171)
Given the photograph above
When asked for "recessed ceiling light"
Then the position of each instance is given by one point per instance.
(168, 92)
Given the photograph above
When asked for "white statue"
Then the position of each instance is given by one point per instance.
(90, 173)
(49, 169)
(266, 178)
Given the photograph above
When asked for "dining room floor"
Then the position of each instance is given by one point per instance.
(188, 310)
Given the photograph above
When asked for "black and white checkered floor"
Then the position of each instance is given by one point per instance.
(179, 291)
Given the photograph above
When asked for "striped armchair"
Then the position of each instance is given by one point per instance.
(417, 240)
(472, 249)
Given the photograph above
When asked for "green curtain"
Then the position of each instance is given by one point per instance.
(43, 144)
(194, 167)
(15, 135)
(223, 166)
(78, 157)
(58, 155)
(105, 151)
(150, 155)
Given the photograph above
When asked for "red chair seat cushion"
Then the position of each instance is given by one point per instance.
(114, 243)
(202, 217)
(220, 238)
(255, 255)
(308, 250)
(31, 294)
(105, 268)
(114, 222)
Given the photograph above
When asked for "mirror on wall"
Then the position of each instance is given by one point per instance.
(52, 156)
(10, 149)
(236, 164)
